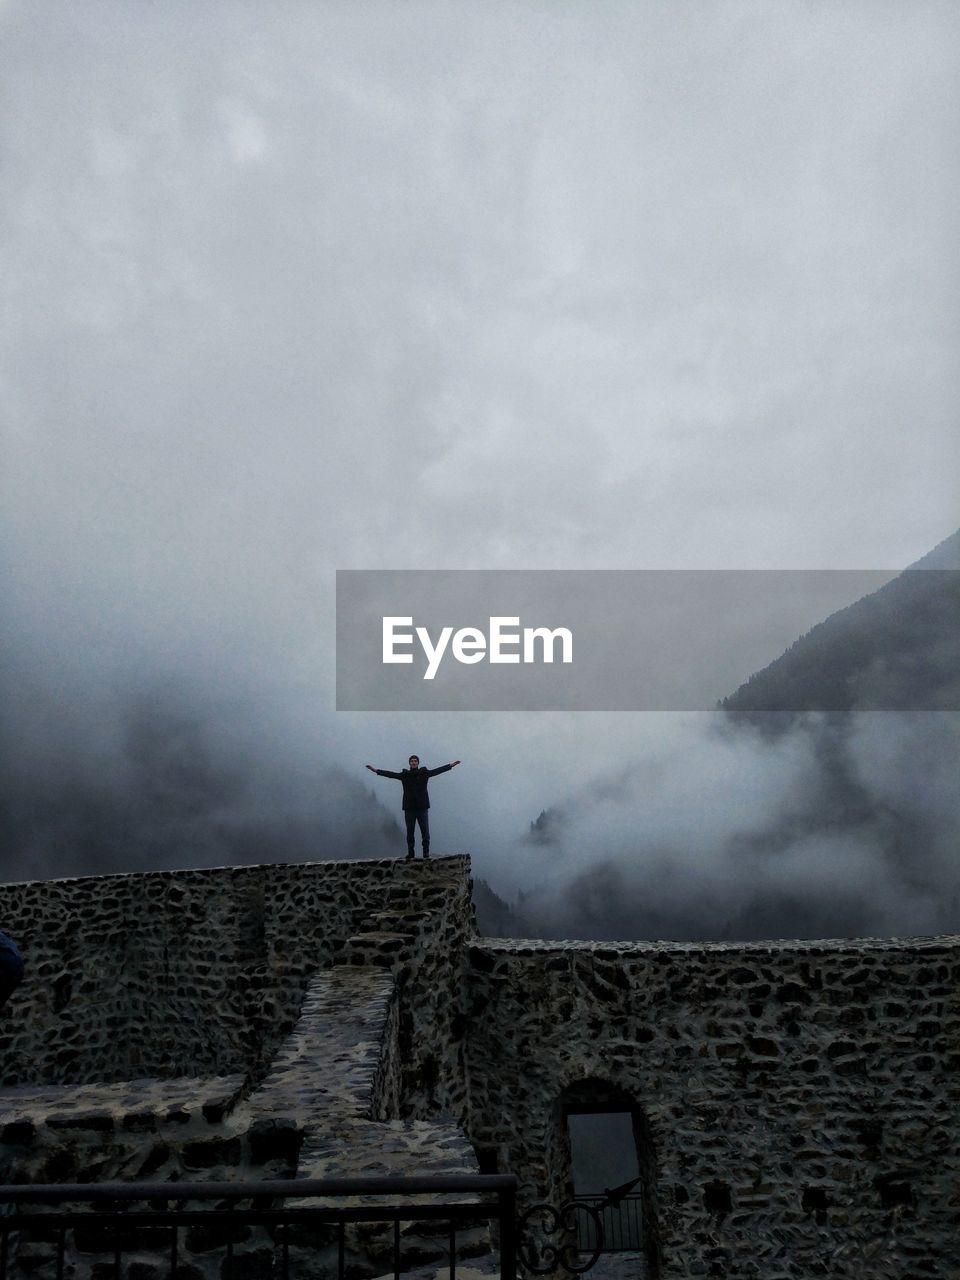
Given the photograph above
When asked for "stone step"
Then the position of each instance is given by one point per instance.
(379, 948)
(131, 1105)
(393, 921)
(400, 1148)
(331, 1059)
(486, 1268)
(397, 1148)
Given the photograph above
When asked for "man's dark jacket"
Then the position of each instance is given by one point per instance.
(415, 784)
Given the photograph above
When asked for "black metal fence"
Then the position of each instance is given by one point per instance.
(620, 1224)
(259, 1231)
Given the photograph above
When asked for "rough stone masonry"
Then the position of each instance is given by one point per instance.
(795, 1104)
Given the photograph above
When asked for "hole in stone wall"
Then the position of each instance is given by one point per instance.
(717, 1198)
(430, 1072)
(895, 1192)
(62, 991)
(869, 1131)
(487, 1161)
(816, 1199)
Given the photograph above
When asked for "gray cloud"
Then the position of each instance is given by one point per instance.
(305, 287)
(836, 826)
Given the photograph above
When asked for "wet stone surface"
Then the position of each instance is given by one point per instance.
(796, 1102)
(781, 1089)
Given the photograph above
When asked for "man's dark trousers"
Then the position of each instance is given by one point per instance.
(413, 816)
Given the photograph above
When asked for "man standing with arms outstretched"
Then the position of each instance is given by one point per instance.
(416, 802)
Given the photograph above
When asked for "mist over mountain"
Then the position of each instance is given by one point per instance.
(764, 823)
(896, 649)
(726, 825)
(495, 917)
(164, 774)
(292, 293)
(740, 825)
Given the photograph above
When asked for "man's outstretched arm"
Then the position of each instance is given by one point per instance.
(385, 773)
(432, 773)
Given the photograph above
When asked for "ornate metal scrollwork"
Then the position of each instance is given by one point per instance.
(538, 1256)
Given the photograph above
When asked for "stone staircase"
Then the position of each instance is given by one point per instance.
(335, 1077)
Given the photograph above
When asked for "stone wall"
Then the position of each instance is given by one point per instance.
(202, 973)
(139, 1129)
(798, 1101)
(419, 931)
(332, 993)
(328, 1107)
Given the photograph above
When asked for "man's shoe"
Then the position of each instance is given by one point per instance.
(409, 856)
(425, 854)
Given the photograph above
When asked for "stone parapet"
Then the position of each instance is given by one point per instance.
(340, 1057)
(199, 973)
(149, 1129)
(795, 1103)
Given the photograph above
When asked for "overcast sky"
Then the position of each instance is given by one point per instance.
(297, 286)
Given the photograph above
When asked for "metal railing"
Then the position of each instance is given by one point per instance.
(250, 1231)
(621, 1224)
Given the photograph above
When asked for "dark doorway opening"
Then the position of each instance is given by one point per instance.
(606, 1175)
(612, 1170)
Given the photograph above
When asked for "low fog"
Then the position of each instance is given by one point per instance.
(834, 826)
(295, 288)
(162, 774)
(684, 827)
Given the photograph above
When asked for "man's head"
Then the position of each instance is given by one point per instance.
(414, 762)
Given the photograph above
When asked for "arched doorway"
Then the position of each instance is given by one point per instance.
(611, 1167)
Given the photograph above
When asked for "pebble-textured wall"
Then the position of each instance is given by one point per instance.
(137, 1129)
(800, 1100)
(419, 931)
(327, 1107)
(203, 973)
